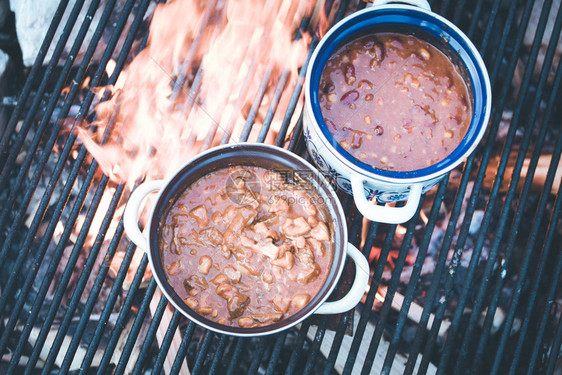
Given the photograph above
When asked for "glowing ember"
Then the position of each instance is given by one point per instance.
(190, 88)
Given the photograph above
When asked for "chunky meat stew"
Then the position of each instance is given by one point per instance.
(244, 247)
(394, 101)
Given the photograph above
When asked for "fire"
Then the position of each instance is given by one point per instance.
(110, 67)
(192, 85)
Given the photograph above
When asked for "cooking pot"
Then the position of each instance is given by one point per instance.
(367, 184)
(259, 155)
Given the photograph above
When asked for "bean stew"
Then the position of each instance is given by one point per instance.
(394, 101)
(245, 247)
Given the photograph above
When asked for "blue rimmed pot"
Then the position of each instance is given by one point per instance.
(367, 184)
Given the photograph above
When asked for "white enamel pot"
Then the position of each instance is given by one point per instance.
(259, 155)
(367, 184)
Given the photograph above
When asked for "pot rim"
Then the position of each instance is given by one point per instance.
(471, 59)
(173, 184)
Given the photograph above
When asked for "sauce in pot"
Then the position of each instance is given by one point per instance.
(394, 101)
(244, 247)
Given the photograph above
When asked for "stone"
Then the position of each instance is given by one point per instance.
(3, 63)
(32, 26)
(476, 222)
(4, 58)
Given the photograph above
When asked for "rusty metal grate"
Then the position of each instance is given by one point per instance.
(471, 284)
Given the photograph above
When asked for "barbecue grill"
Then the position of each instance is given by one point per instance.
(469, 285)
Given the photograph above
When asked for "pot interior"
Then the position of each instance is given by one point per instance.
(426, 26)
(259, 156)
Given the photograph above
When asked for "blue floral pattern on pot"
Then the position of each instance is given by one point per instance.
(331, 174)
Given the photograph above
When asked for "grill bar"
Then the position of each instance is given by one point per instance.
(297, 349)
(84, 191)
(182, 350)
(391, 290)
(541, 269)
(550, 299)
(235, 356)
(340, 333)
(150, 335)
(379, 269)
(263, 352)
(272, 107)
(218, 354)
(554, 355)
(117, 330)
(524, 195)
(295, 97)
(33, 75)
(409, 294)
(503, 220)
(534, 237)
(115, 291)
(59, 292)
(83, 277)
(46, 117)
(276, 353)
(365, 313)
(502, 49)
(4, 177)
(470, 208)
(82, 283)
(44, 286)
(476, 17)
(202, 353)
(313, 352)
(432, 294)
(255, 107)
(133, 334)
(369, 299)
(76, 251)
(459, 9)
(182, 75)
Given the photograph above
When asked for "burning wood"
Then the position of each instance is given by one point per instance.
(539, 177)
(398, 366)
(161, 333)
(414, 312)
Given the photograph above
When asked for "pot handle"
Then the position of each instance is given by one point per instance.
(352, 298)
(383, 214)
(130, 217)
(419, 3)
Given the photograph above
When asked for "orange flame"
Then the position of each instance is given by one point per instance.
(203, 67)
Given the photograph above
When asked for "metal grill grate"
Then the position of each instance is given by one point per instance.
(489, 306)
